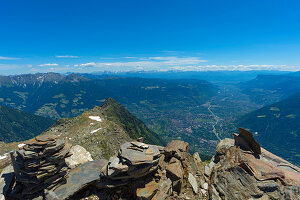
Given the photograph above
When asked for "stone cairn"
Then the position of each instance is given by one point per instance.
(39, 165)
(134, 160)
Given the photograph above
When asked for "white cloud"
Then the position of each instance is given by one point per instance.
(48, 65)
(107, 58)
(67, 56)
(7, 58)
(235, 68)
(91, 64)
(145, 63)
(129, 57)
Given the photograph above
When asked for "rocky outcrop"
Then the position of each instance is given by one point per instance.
(244, 170)
(39, 165)
(142, 171)
(241, 169)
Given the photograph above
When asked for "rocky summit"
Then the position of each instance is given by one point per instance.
(241, 169)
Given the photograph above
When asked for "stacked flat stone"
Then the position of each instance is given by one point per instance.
(40, 165)
(134, 160)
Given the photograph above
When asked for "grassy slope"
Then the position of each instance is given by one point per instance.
(277, 127)
(135, 127)
(17, 125)
(103, 138)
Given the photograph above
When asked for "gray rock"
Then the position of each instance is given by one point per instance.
(224, 145)
(79, 156)
(135, 155)
(40, 165)
(207, 171)
(80, 177)
(140, 145)
(205, 186)
(193, 183)
(164, 187)
(6, 181)
(197, 157)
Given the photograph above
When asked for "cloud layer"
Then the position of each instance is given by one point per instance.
(67, 56)
(48, 65)
(130, 63)
(7, 58)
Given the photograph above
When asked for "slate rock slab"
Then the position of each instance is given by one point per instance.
(6, 180)
(80, 177)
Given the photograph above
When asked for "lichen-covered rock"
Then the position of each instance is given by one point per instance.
(79, 156)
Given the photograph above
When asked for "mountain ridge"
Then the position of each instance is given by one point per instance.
(17, 125)
(277, 127)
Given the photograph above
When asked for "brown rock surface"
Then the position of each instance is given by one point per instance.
(148, 191)
(175, 169)
(240, 174)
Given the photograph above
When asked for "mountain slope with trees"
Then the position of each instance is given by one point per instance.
(17, 125)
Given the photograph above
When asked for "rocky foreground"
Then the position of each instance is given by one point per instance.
(241, 169)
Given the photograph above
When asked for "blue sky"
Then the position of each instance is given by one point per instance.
(88, 36)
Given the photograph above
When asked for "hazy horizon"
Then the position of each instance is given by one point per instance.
(58, 36)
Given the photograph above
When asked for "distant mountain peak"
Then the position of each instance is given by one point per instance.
(74, 78)
(109, 102)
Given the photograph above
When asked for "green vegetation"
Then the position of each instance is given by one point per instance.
(17, 125)
(277, 132)
(135, 127)
(102, 138)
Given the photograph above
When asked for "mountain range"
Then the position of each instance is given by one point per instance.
(193, 110)
(276, 127)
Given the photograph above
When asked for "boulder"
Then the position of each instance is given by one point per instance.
(79, 156)
(224, 145)
(174, 169)
(136, 155)
(175, 148)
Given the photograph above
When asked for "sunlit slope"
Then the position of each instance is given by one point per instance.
(277, 127)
